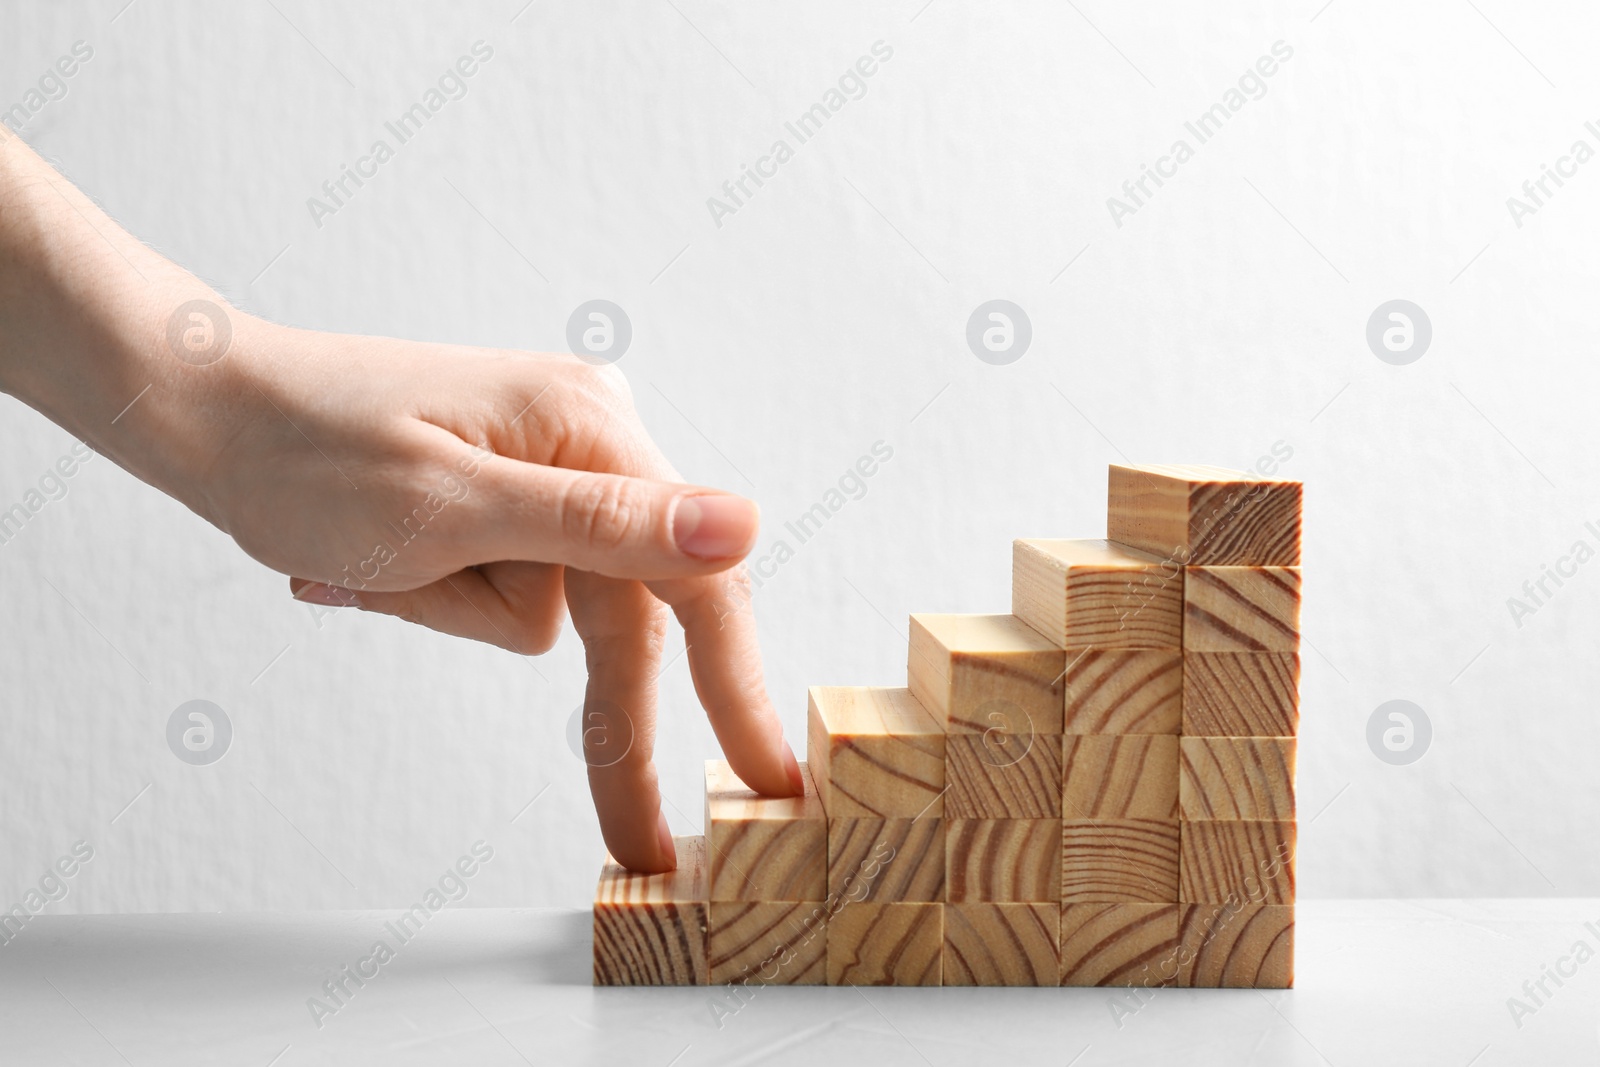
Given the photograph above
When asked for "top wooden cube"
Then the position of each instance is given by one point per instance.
(1205, 516)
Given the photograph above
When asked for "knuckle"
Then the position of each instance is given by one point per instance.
(609, 381)
(603, 513)
(557, 407)
(583, 415)
(603, 386)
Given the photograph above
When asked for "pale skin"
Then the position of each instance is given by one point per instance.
(310, 448)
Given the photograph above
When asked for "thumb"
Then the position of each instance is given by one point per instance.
(605, 523)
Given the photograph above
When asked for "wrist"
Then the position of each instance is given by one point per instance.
(183, 390)
(123, 349)
(159, 383)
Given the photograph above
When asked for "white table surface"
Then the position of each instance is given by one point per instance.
(1403, 982)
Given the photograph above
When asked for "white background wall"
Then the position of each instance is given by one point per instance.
(1225, 316)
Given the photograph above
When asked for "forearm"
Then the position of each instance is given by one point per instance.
(85, 311)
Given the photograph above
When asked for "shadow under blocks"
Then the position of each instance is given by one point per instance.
(1094, 790)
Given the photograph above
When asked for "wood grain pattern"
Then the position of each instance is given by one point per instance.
(1205, 515)
(764, 848)
(1119, 945)
(1116, 861)
(650, 929)
(1002, 944)
(1127, 776)
(1138, 691)
(1237, 861)
(1002, 860)
(1009, 777)
(1241, 694)
(781, 943)
(1241, 609)
(874, 753)
(978, 673)
(1236, 777)
(1095, 594)
(1251, 947)
(886, 859)
(886, 944)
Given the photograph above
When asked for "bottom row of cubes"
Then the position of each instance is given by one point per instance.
(968, 944)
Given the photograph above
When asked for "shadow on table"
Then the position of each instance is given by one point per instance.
(546, 946)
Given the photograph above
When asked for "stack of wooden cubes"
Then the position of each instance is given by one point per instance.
(1096, 789)
(1240, 543)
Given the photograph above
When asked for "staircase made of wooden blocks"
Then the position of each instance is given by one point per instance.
(1095, 790)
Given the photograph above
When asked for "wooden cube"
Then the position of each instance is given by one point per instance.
(1247, 947)
(982, 673)
(886, 944)
(1095, 594)
(1002, 944)
(875, 753)
(1112, 776)
(1241, 609)
(1241, 694)
(650, 929)
(1205, 515)
(1120, 945)
(886, 859)
(783, 943)
(1117, 861)
(1236, 777)
(1002, 860)
(1237, 861)
(1006, 777)
(764, 848)
(1137, 691)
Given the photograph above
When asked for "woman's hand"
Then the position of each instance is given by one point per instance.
(478, 492)
(485, 494)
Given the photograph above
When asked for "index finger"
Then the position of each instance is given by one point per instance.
(720, 632)
(725, 661)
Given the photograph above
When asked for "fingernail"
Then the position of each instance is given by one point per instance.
(792, 765)
(715, 526)
(667, 848)
(331, 596)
